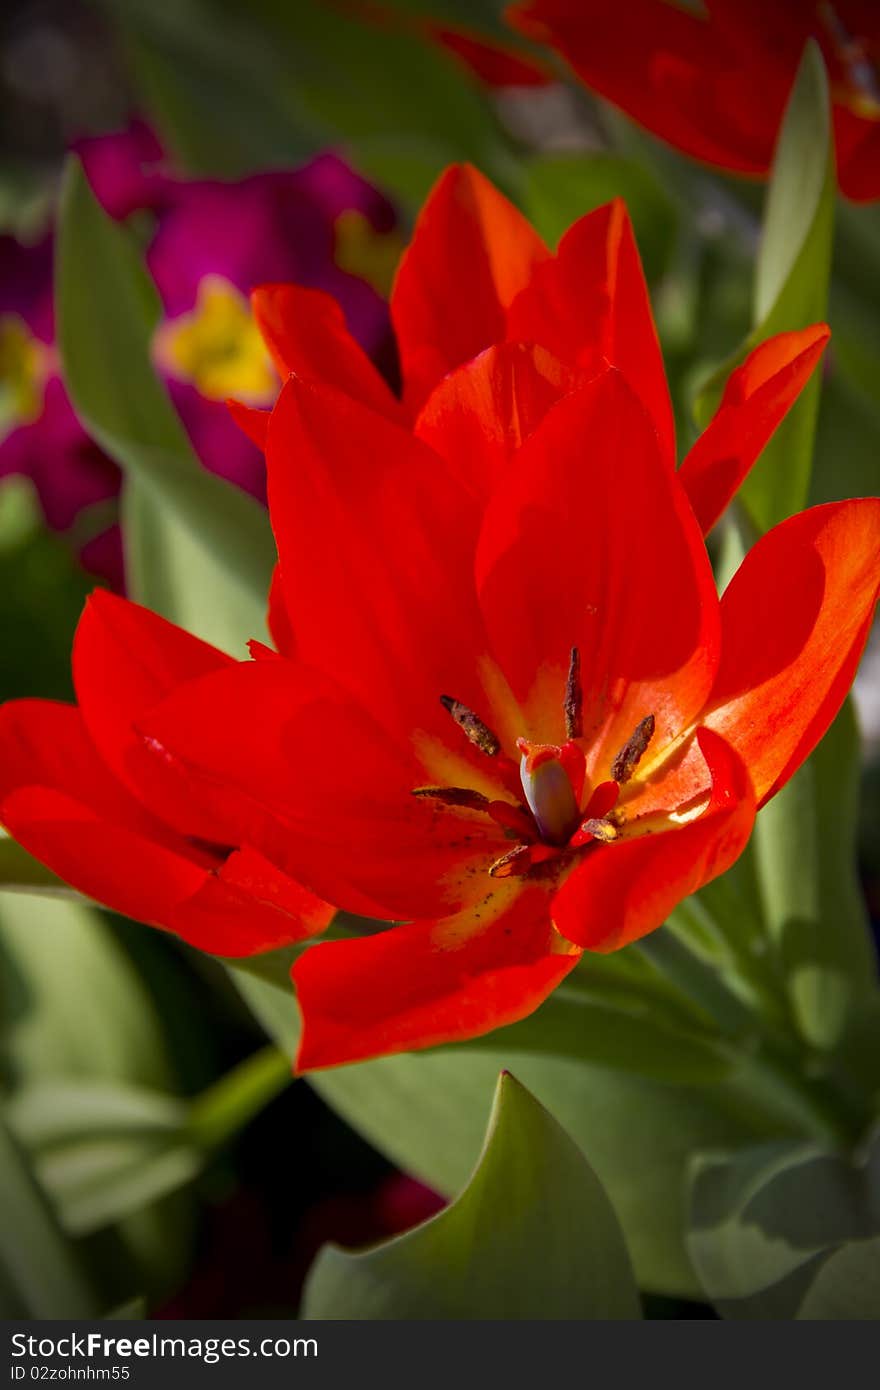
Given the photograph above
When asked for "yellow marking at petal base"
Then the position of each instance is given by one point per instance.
(446, 768)
(24, 367)
(362, 251)
(452, 932)
(217, 347)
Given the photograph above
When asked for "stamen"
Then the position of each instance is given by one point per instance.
(480, 735)
(574, 698)
(516, 861)
(630, 755)
(600, 829)
(455, 796)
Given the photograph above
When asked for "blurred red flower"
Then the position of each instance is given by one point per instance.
(713, 80)
(507, 708)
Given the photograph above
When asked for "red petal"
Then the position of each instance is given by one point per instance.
(285, 762)
(664, 66)
(757, 397)
(251, 421)
(591, 543)
(429, 982)
(590, 306)
(795, 618)
(44, 744)
(125, 660)
(622, 891)
(249, 906)
(305, 332)
(106, 861)
(375, 539)
(278, 620)
(471, 254)
(482, 412)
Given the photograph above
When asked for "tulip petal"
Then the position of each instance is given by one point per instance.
(278, 621)
(44, 744)
(375, 539)
(285, 762)
(447, 308)
(480, 414)
(651, 58)
(251, 421)
(591, 543)
(428, 983)
(248, 906)
(590, 306)
(305, 333)
(757, 397)
(795, 618)
(622, 891)
(126, 659)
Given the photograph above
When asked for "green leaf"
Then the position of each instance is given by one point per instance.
(764, 1220)
(561, 188)
(74, 1004)
(425, 1111)
(791, 286)
(533, 1235)
(108, 308)
(847, 1287)
(235, 92)
(804, 845)
(40, 1276)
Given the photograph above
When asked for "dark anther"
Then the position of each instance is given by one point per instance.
(629, 757)
(454, 796)
(471, 725)
(515, 861)
(574, 698)
(601, 829)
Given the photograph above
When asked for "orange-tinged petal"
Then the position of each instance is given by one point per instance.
(471, 254)
(757, 397)
(305, 333)
(482, 412)
(429, 983)
(622, 891)
(591, 543)
(589, 305)
(795, 618)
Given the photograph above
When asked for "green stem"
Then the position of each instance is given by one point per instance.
(230, 1103)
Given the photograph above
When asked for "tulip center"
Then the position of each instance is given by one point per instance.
(217, 347)
(555, 812)
(548, 792)
(24, 366)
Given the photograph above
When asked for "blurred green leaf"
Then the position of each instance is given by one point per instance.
(804, 846)
(765, 1219)
(235, 91)
(561, 188)
(791, 286)
(133, 1310)
(107, 308)
(533, 1235)
(74, 1004)
(105, 1149)
(847, 1287)
(40, 1275)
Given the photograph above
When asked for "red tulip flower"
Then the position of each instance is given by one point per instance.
(507, 710)
(715, 84)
